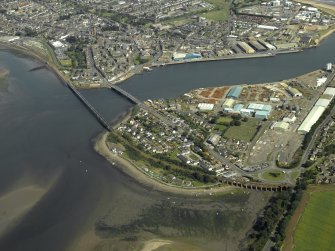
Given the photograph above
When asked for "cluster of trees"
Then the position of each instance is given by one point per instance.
(267, 222)
(330, 149)
(29, 32)
(272, 223)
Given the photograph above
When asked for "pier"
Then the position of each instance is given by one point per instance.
(100, 118)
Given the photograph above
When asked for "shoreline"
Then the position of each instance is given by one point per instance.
(50, 65)
(140, 176)
(330, 9)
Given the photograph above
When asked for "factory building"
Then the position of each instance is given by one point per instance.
(280, 126)
(329, 67)
(245, 47)
(311, 119)
(320, 81)
(179, 56)
(267, 27)
(257, 46)
(261, 114)
(228, 103)
(238, 107)
(267, 45)
(262, 111)
(260, 107)
(236, 49)
(329, 91)
(246, 112)
(294, 92)
(316, 112)
(235, 92)
(323, 102)
(205, 107)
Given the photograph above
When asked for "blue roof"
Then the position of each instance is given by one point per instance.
(260, 107)
(262, 113)
(235, 92)
(238, 107)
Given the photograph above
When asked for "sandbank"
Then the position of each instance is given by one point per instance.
(15, 204)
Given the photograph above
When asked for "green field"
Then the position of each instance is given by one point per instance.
(220, 12)
(273, 175)
(316, 228)
(294, 175)
(224, 120)
(246, 131)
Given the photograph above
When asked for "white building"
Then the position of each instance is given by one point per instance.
(320, 81)
(291, 118)
(311, 119)
(329, 67)
(267, 27)
(330, 91)
(205, 107)
(323, 102)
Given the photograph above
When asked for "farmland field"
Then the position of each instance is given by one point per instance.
(316, 227)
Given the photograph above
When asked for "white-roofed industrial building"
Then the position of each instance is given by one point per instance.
(322, 102)
(228, 103)
(311, 119)
(280, 126)
(294, 92)
(330, 91)
(205, 107)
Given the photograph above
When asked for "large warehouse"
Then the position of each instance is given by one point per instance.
(316, 112)
(235, 92)
(311, 119)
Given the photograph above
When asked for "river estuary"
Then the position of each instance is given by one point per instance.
(56, 193)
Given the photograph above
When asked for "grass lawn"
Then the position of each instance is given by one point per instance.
(221, 128)
(220, 12)
(245, 131)
(316, 227)
(273, 175)
(66, 62)
(224, 120)
(294, 175)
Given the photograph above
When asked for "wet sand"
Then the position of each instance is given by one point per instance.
(155, 244)
(15, 204)
(133, 171)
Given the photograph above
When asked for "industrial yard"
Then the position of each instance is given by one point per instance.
(242, 133)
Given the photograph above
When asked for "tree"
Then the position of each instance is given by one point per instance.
(71, 39)
(237, 122)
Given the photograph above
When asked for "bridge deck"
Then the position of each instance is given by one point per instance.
(90, 107)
